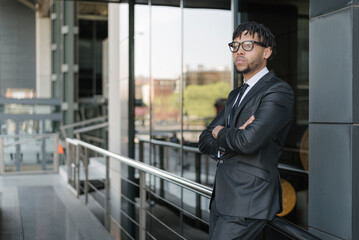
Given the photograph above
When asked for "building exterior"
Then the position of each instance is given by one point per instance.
(307, 33)
(165, 69)
(17, 58)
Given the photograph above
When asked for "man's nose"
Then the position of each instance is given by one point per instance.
(240, 51)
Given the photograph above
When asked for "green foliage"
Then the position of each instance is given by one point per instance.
(199, 100)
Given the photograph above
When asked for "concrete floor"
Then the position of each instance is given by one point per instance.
(42, 207)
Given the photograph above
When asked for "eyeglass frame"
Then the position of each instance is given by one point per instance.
(241, 44)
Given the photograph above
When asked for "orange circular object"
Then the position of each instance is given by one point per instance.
(304, 146)
(289, 197)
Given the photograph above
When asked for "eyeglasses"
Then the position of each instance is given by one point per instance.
(246, 45)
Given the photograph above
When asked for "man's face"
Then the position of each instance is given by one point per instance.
(250, 62)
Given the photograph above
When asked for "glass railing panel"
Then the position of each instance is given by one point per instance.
(30, 153)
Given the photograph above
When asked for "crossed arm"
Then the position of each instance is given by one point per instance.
(219, 127)
(274, 112)
(210, 145)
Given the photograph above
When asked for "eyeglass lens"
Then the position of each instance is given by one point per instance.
(246, 45)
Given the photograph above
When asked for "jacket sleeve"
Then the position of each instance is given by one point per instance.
(274, 113)
(207, 143)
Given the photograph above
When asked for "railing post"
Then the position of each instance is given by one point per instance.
(2, 160)
(107, 194)
(63, 131)
(162, 185)
(68, 161)
(77, 168)
(198, 167)
(105, 137)
(78, 136)
(142, 214)
(18, 148)
(86, 185)
(198, 180)
(141, 151)
(56, 153)
(43, 148)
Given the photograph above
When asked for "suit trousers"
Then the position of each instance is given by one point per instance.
(223, 227)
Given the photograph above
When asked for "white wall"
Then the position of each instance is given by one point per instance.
(117, 108)
(43, 57)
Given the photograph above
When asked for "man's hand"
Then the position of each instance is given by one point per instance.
(249, 121)
(216, 130)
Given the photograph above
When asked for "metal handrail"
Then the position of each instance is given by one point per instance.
(31, 101)
(91, 128)
(278, 223)
(199, 188)
(196, 150)
(34, 137)
(82, 123)
(25, 135)
(292, 230)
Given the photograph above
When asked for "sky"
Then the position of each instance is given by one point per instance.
(206, 35)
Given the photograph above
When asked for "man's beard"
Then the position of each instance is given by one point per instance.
(244, 71)
(250, 67)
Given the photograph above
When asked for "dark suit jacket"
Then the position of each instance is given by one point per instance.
(247, 181)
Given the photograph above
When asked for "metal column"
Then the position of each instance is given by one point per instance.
(131, 114)
(2, 160)
(64, 56)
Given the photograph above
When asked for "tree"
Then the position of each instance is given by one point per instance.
(199, 100)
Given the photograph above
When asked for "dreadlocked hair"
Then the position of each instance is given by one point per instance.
(264, 34)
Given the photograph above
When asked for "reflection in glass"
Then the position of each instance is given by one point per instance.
(166, 72)
(207, 81)
(207, 67)
(289, 22)
(142, 71)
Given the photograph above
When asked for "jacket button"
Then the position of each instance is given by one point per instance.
(221, 161)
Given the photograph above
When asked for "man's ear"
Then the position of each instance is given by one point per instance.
(267, 52)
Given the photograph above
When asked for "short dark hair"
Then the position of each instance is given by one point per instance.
(264, 34)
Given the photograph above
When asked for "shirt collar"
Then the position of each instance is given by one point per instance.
(253, 80)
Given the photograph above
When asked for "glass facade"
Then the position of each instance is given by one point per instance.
(289, 22)
(165, 78)
(184, 72)
(90, 46)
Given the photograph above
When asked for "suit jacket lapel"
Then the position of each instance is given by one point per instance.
(258, 86)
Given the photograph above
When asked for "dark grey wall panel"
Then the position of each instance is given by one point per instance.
(330, 183)
(355, 52)
(318, 7)
(17, 46)
(355, 181)
(330, 68)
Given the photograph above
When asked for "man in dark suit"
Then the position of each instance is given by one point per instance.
(246, 138)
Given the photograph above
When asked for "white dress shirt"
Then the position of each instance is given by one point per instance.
(251, 82)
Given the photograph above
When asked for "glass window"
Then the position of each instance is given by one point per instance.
(207, 71)
(289, 22)
(142, 71)
(207, 67)
(91, 39)
(166, 80)
(166, 71)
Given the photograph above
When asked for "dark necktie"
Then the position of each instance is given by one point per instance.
(236, 104)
